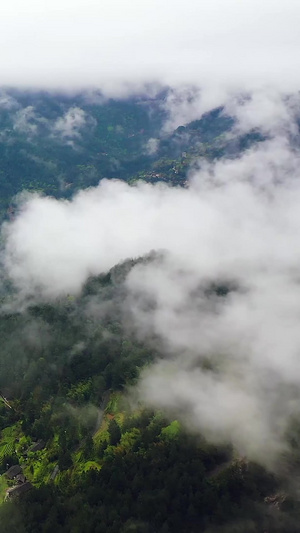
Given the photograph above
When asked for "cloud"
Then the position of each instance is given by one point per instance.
(267, 110)
(221, 295)
(25, 121)
(231, 366)
(69, 125)
(7, 101)
(118, 47)
(187, 103)
(209, 53)
(152, 146)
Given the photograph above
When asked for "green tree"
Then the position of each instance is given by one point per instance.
(114, 432)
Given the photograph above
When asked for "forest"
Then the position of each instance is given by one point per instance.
(90, 453)
(103, 462)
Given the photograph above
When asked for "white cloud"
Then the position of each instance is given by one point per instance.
(69, 125)
(267, 110)
(237, 222)
(208, 52)
(232, 365)
(25, 121)
(112, 44)
(187, 103)
(7, 101)
(152, 146)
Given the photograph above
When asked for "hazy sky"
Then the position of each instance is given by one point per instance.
(76, 43)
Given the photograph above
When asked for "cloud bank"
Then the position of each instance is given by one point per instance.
(240, 54)
(221, 44)
(222, 296)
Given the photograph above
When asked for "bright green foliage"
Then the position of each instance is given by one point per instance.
(81, 392)
(129, 439)
(147, 482)
(171, 431)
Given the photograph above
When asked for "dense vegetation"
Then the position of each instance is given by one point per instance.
(105, 465)
(147, 475)
(58, 144)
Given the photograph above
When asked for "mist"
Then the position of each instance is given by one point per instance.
(221, 294)
(220, 46)
(230, 365)
(241, 55)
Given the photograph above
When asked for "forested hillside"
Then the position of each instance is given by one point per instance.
(102, 461)
(57, 144)
(98, 460)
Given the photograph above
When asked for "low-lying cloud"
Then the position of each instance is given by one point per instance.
(70, 124)
(221, 296)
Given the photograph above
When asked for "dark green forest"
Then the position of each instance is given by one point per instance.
(58, 145)
(94, 461)
(118, 468)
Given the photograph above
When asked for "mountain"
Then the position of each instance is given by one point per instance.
(57, 144)
(96, 458)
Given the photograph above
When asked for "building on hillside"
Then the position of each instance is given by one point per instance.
(13, 471)
(20, 478)
(37, 446)
(18, 490)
